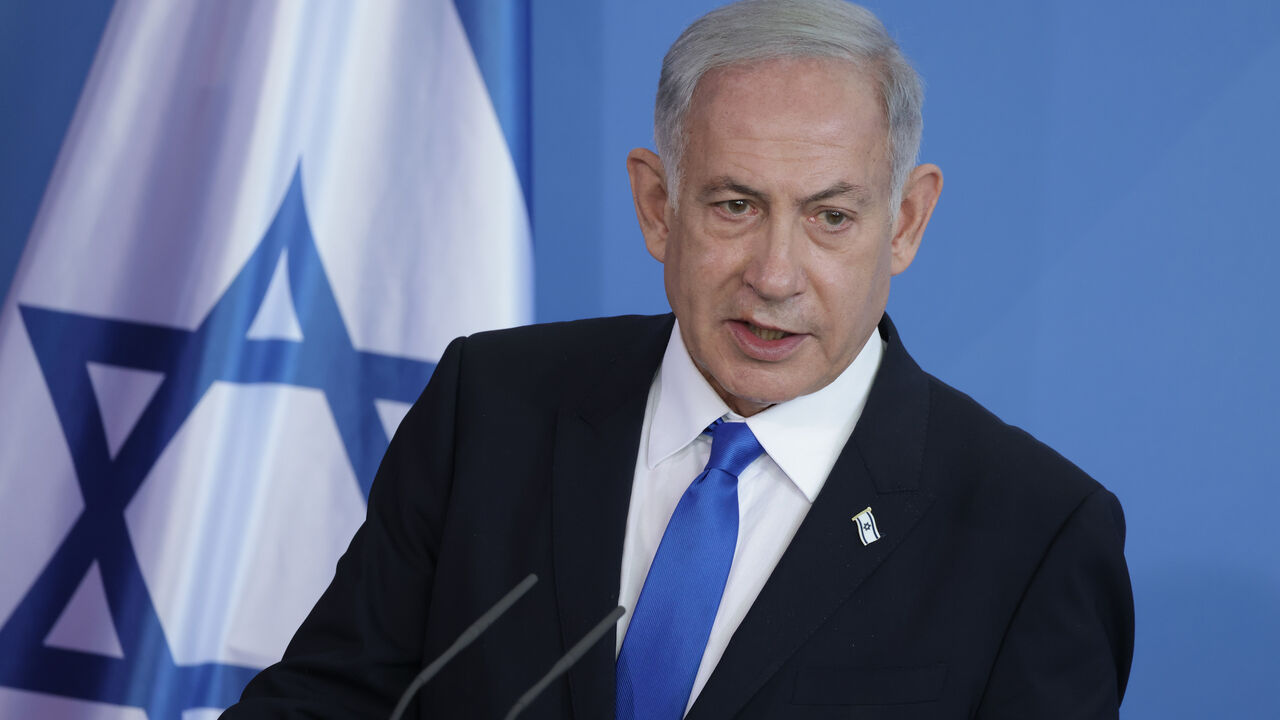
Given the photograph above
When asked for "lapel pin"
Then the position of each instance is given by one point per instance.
(867, 529)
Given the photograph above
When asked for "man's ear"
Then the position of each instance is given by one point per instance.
(919, 197)
(649, 190)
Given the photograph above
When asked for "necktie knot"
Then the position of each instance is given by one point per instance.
(733, 447)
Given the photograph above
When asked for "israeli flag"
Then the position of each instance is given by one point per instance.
(868, 531)
(266, 222)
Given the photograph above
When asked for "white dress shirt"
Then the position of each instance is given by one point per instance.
(801, 438)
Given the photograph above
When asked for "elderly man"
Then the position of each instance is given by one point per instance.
(798, 520)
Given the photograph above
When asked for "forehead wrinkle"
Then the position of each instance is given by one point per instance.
(750, 137)
(752, 155)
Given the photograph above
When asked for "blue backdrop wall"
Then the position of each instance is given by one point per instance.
(1101, 269)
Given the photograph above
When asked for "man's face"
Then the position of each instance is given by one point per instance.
(778, 256)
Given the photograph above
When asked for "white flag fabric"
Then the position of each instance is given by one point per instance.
(266, 221)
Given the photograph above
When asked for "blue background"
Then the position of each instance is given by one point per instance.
(1101, 268)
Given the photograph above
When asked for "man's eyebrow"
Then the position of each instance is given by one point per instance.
(857, 193)
(724, 183)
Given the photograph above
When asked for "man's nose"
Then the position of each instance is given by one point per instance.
(775, 270)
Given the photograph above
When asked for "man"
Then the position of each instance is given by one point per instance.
(863, 539)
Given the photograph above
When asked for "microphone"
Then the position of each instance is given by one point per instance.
(467, 637)
(563, 664)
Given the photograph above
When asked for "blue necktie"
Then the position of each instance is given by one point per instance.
(672, 619)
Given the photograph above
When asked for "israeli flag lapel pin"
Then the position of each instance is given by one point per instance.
(867, 530)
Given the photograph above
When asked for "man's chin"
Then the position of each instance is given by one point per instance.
(754, 396)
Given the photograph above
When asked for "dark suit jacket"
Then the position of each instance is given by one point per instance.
(997, 590)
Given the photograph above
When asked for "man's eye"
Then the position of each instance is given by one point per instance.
(833, 218)
(735, 207)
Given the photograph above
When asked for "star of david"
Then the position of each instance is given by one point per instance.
(191, 361)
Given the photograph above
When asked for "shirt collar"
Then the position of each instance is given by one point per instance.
(804, 435)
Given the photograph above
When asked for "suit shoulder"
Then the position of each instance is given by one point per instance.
(619, 329)
(570, 342)
(1001, 457)
(550, 360)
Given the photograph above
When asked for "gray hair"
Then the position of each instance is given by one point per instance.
(767, 29)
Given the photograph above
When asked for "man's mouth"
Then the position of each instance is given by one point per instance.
(767, 333)
(765, 344)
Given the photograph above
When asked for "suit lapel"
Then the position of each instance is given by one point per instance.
(826, 562)
(597, 437)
